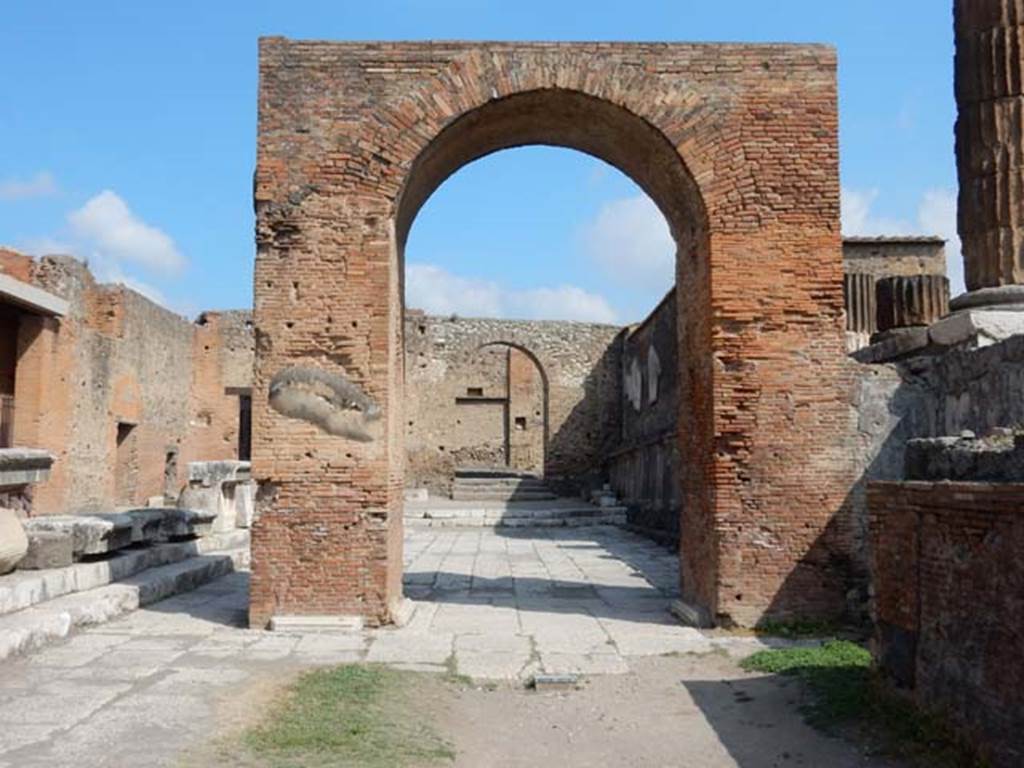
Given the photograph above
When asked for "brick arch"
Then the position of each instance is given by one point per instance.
(560, 117)
(737, 144)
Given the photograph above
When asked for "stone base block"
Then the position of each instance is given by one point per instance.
(691, 615)
(894, 345)
(316, 624)
(48, 549)
(402, 611)
(977, 327)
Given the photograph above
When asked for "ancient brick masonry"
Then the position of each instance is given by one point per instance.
(123, 392)
(948, 580)
(738, 147)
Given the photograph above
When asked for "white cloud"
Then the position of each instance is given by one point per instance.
(936, 215)
(40, 185)
(116, 244)
(437, 291)
(567, 302)
(630, 240)
(107, 224)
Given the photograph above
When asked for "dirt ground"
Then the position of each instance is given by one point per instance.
(692, 711)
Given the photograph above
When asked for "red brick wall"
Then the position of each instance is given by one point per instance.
(948, 578)
(738, 147)
(117, 357)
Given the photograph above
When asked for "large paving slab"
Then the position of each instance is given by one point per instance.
(492, 605)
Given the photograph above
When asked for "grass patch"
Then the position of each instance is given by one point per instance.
(847, 696)
(353, 715)
(799, 628)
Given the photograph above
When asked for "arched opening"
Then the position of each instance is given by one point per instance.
(576, 121)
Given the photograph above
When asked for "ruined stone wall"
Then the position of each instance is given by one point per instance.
(222, 358)
(108, 389)
(126, 364)
(467, 380)
(948, 575)
(644, 467)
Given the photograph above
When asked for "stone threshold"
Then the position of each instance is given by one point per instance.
(463, 521)
(21, 590)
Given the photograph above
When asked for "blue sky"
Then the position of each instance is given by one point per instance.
(127, 136)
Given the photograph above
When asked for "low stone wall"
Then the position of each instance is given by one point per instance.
(948, 577)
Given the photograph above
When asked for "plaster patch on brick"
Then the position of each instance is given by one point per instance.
(327, 400)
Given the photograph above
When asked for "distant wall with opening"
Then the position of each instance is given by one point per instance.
(532, 396)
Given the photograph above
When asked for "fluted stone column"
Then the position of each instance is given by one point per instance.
(990, 149)
(911, 301)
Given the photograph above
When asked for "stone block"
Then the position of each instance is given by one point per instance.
(48, 549)
(147, 525)
(977, 327)
(316, 624)
(181, 524)
(895, 345)
(211, 473)
(245, 504)
(13, 542)
(91, 534)
(21, 466)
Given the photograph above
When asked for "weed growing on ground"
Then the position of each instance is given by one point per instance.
(845, 693)
(353, 715)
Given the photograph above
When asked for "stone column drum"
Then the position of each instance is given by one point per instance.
(914, 300)
(990, 148)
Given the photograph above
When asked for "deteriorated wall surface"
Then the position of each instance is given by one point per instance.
(894, 256)
(109, 390)
(737, 145)
(948, 577)
(223, 349)
(464, 391)
(644, 467)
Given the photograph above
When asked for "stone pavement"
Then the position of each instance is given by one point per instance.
(489, 604)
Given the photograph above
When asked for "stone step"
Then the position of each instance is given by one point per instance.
(53, 620)
(23, 589)
(497, 482)
(492, 472)
(462, 491)
(499, 495)
(518, 522)
(502, 512)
